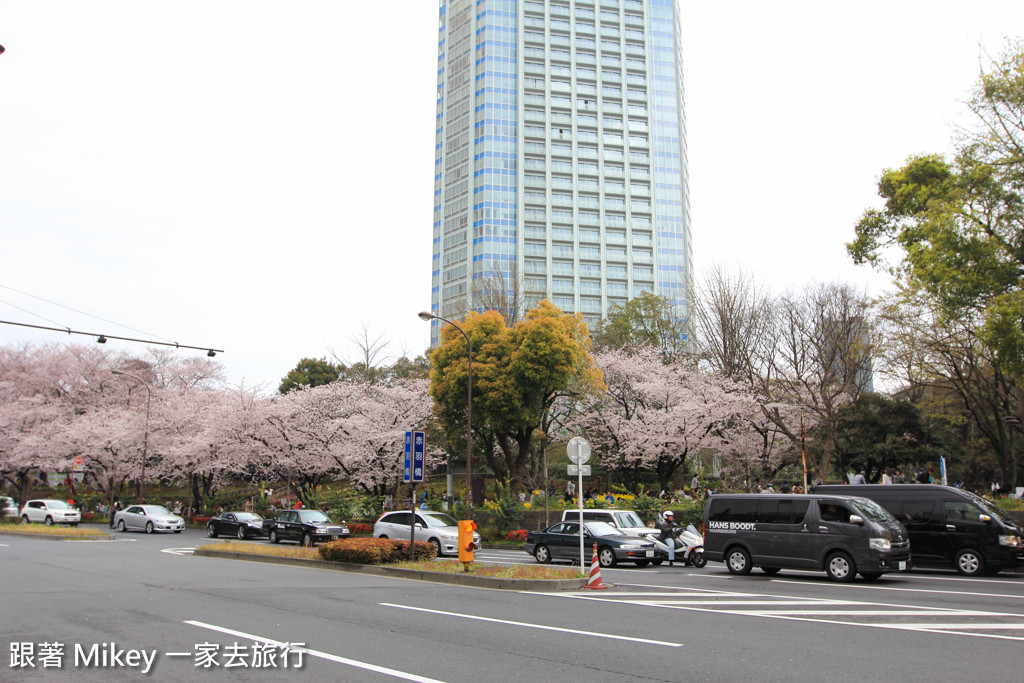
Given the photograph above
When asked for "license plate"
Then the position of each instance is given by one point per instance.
(650, 553)
(903, 566)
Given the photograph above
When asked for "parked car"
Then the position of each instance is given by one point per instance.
(433, 527)
(50, 512)
(948, 527)
(149, 518)
(308, 527)
(239, 524)
(9, 509)
(561, 541)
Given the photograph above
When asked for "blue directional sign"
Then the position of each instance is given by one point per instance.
(419, 440)
(407, 470)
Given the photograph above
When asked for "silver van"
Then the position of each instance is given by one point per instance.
(627, 522)
(841, 535)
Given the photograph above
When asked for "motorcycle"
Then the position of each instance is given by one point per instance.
(689, 546)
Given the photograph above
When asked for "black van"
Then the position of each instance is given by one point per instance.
(841, 535)
(948, 527)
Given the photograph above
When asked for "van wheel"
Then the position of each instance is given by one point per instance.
(657, 562)
(642, 563)
(770, 571)
(969, 562)
(738, 561)
(840, 567)
(871, 576)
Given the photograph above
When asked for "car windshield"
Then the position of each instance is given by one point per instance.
(313, 516)
(439, 519)
(601, 529)
(156, 510)
(247, 517)
(986, 505)
(872, 510)
(629, 520)
(58, 505)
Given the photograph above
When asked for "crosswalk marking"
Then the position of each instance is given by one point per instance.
(950, 621)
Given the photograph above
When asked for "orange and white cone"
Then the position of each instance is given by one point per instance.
(595, 574)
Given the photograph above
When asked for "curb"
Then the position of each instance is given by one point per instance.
(55, 537)
(398, 573)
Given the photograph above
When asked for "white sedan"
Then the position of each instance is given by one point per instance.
(149, 518)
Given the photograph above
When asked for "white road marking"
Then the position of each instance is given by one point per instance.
(595, 634)
(317, 653)
(697, 600)
(179, 551)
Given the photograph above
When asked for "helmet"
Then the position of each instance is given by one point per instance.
(668, 513)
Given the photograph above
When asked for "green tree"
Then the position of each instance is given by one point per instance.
(518, 374)
(957, 226)
(877, 433)
(311, 372)
(648, 320)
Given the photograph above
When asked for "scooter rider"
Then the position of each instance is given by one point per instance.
(668, 535)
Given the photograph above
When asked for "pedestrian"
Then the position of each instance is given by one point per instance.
(886, 477)
(695, 483)
(859, 478)
(389, 503)
(113, 511)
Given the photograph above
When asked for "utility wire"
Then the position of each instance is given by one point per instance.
(148, 334)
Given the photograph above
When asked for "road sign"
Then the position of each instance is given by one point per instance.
(579, 470)
(407, 467)
(578, 450)
(419, 440)
(78, 460)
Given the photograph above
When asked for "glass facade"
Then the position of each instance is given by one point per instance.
(560, 162)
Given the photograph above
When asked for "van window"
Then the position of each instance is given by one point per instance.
(919, 511)
(872, 511)
(961, 511)
(793, 511)
(733, 510)
(833, 511)
(629, 520)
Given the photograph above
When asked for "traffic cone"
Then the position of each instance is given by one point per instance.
(595, 574)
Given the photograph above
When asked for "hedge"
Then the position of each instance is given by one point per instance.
(374, 550)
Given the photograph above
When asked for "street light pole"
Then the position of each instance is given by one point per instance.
(145, 434)
(469, 407)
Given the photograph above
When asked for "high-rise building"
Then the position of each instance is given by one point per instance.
(560, 168)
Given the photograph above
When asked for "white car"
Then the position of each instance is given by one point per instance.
(50, 512)
(434, 527)
(149, 518)
(9, 509)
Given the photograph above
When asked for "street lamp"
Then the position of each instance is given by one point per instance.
(145, 434)
(469, 406)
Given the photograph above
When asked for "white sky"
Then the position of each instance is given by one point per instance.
(256, 176)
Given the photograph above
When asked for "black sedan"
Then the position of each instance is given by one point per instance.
(308, 527)
(561, 541)
(238, 524)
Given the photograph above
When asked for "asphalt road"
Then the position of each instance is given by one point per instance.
(149, 594)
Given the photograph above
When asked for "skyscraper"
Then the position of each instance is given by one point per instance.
(560, 158)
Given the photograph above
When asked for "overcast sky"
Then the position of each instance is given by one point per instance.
(256, 176)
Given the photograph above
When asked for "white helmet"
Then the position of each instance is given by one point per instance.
(668, 513)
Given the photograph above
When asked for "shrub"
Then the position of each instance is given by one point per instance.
(361, 529)
(518, 535)
(508, 513)
(374, 550)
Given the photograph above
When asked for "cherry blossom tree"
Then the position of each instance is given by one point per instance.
(653, 415)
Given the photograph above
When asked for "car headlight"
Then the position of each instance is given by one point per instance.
(879, 544)
(1011, 541)
(320, 531)
(630, 546)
